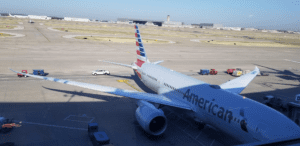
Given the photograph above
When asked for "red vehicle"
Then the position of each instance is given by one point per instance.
(230, 71)
(213, 72)
(20, 75)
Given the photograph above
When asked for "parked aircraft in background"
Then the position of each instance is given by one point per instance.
(220, 106)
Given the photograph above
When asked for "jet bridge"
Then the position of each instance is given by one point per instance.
(294, 112)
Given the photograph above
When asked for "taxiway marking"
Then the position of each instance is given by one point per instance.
(51, 125)
(291, 61)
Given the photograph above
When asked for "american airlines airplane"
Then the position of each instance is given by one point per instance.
(220, 106)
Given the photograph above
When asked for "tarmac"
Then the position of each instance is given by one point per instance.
(57, 114)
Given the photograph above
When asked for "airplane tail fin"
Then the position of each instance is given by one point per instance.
(140, 50)
(239, 84)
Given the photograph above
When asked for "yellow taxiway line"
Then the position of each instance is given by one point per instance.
(126, 82)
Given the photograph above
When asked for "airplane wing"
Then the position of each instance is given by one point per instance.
(158, 62)
(239, 84)
(130, 66)
(160, 99)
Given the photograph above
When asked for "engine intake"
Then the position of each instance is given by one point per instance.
(152, 120)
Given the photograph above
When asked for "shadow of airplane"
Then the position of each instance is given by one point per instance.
(81, 93)
(286, 74)
(137, 80)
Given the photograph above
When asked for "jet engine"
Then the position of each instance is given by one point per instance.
(152, 120)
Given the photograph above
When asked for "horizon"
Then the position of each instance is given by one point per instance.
(278, 15)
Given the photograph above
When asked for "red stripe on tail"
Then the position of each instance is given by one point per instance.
(138, 52)
(137, 44)
(139, 62)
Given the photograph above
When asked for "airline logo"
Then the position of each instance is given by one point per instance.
(141, 55)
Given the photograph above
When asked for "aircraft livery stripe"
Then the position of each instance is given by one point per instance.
(141, 49)
(138, 52)
(139, 75)
(140, 62)
(137, 35)
(141, 58)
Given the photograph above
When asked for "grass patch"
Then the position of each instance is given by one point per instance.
(8, 21)
(125, 32)
(7, 27)
(4, 35)
(120, 40)
(250, 44)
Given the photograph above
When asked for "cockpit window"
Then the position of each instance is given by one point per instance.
(215, 86)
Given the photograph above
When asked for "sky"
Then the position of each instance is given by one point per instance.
(264, 14)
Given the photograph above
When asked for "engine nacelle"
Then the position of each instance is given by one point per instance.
(152, 120)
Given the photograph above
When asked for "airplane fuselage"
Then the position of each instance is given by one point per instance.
(240, 117)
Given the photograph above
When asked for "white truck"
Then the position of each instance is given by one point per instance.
(100, 72)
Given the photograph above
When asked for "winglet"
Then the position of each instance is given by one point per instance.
(239, 84)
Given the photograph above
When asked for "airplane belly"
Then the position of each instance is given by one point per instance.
(149, 83)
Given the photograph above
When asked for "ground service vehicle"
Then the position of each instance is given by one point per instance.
(6, 125)
(213, 72)
(38, 72)
(237, 73)
(246, 71)
(264, 74)
(23, 71)
(99, 137)
(230, 71)
(100, 72)
(204, 71)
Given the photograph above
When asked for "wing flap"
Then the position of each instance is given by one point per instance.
(239, 84)
(160, 99)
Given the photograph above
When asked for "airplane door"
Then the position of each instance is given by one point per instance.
(261, 131)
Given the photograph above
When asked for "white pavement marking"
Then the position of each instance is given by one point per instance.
(92, 118)
(50, 28)
(198, 134)
(185, 129)
(195, 40)
(188, 135)
(291, 61)
(50, 125)
(212, 142)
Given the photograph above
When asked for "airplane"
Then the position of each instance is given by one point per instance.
(220, 106)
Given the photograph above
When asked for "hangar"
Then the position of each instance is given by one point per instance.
(139, 21)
